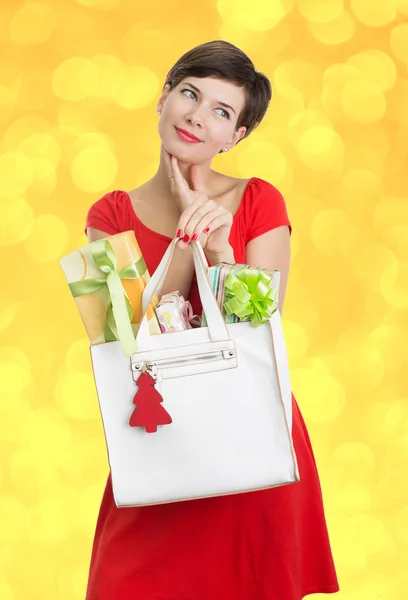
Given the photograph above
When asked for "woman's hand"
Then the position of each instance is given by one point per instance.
(181, 191)
(211, 224)
(201, 218)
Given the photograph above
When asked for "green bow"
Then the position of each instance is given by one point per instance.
(119, 311)
(249, 294)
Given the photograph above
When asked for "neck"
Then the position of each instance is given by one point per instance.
(162, 182)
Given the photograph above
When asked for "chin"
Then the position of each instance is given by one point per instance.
(183, 152)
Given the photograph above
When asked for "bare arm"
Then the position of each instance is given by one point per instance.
(272, 251)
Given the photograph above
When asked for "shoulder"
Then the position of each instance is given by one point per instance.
(110, 213)
(114, 200)
(261, 196)
(263, 207)
(261, 189)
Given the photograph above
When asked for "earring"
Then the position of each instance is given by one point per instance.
(158, 111)
(226, 149)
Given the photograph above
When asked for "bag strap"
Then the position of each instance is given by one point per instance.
(216, 326)
(148, 294)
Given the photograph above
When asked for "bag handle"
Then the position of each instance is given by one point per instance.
(216, 326)
(148, 292)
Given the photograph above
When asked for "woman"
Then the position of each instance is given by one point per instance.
(266, 545)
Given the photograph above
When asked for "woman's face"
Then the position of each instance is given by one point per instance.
(207, 108)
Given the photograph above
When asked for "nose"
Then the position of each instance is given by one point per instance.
(195, 117)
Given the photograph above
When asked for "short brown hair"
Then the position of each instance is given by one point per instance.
(223, 60)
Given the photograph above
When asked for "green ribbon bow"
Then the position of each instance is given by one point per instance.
(249, 296)
(119, 311)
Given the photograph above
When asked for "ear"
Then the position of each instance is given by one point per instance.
(236, 136)
(165, 93)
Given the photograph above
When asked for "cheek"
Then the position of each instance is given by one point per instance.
(165, 124)
(218, 134)
(221, 132)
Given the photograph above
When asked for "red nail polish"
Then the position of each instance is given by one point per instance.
(179, 233)
(194, 238)
(186, 238)
(206, 230)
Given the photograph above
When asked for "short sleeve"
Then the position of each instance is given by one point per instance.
(265, 209)
(108, 213)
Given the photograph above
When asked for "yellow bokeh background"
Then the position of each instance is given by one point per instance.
(79, 81)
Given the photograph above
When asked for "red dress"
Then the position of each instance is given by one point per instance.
(265, 545)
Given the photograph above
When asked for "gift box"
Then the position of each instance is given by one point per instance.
(244, 293)
(175, 313)
(107, 278)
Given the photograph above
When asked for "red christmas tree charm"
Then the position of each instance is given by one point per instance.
(149, 413)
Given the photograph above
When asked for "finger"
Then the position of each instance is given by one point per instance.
(167, 161)
(184, 239)
(198, 205)
(197, 178)
(218, 221)
(183, 245)
(165, 154)
(201, 217)
(178, 176)
(176, 169)
(174, 165)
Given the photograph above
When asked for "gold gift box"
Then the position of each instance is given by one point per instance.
(80, 266)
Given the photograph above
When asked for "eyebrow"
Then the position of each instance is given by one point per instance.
(218, 102)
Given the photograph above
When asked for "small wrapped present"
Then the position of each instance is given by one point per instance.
(107, 278)
(175, 313)
(244, 293)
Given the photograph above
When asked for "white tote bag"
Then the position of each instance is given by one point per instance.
(228, 392)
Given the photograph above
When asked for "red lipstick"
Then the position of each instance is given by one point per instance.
(187, 136)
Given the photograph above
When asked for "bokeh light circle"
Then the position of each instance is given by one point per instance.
(16, 174)
(16, 221)
(321, 148)
(363, 101)
(75, 395)
(94, 169)
(265, 157)
(48, 239)
(324, 396)
(402, 6)
(110, 71)
(13, 519)
(399, 42)
(267, 15)
(320, 12)
(328, 228)
(375, 66)
(137, 88)
(15, 370)
(21, 24)
(75, 79)
(374, 13)
(335, 32)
